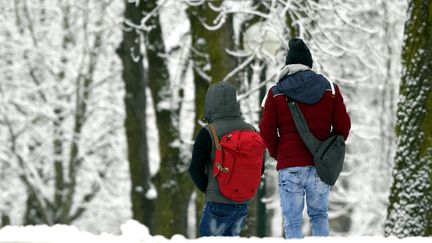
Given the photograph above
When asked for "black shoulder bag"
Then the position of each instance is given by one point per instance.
(328, 155)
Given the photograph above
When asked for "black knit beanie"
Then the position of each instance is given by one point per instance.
(298, 53)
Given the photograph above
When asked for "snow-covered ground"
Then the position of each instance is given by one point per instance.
(133, 232)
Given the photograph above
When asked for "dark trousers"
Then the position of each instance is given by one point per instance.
(220, 219)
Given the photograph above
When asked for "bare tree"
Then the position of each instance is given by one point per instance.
(172, 180)
(136, 82)
(347, 44)
(49, 106)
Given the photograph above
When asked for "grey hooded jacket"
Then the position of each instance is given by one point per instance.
(223, 111)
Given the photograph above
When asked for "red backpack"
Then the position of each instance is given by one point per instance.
(238, 163)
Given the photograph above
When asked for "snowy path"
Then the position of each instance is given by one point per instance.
(133, 232)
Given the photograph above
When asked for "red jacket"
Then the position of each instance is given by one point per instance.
(322, 111)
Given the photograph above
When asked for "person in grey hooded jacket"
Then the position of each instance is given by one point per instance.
(221, 216)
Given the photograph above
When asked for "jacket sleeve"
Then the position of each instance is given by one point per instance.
(340, 121)
(200, 157)
(269, 125)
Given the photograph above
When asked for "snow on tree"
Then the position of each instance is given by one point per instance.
(131, 54)
(163, 201)
(410, 209)
(62, 137)
(62, 112)
(172, 181)
(356, 45)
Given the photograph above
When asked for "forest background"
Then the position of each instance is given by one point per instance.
(100, 102)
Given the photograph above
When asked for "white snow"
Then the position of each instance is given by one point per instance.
(133, 232)
(151, 193)
(368, 35)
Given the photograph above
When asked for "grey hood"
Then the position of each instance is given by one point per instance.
(221, 102)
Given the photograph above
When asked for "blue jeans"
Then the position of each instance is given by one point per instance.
(294, 184)
(220, 219)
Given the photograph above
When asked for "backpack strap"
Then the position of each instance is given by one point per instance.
(215, 136)
(218, 164)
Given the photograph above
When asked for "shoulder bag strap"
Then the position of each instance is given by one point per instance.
(300, 122)
(332, 88)
(308, 138)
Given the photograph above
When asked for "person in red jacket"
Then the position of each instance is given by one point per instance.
(322, 105)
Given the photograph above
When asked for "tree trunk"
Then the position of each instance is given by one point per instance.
(215, 44)
(130, 53)
(410, 203)
(5, 220)
(54, 194)
(173, 184)
(262, 217)
(33, 214)
(199, 58)
(211, 61)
